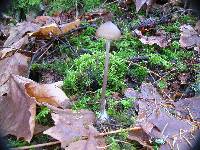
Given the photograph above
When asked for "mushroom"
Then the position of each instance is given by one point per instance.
(109, 32)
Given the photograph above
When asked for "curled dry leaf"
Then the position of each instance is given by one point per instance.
(17, 110)
(48, 93)
(70, 125)
(54, 30)
(161, 39)
(16, 64)
(189, 37)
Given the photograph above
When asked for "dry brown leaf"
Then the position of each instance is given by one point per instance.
(147, 91)
(18, 31)
(39, 128)
(70, 125)
(160, 38)
(48, 93)
(157, 123)
(45, 20)
(14, 47)
(55, 30)
(188, 107)
(140, 136)
(189, 37)
(89, 144)
(17, 110)
(16, 64)
(140, 3)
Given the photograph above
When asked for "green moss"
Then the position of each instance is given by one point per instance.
(43, 115)
(138, 72)
(157, 60)
(87, 70)
(13, 142)
(162, 84)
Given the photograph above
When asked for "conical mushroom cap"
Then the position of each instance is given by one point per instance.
(108, 31)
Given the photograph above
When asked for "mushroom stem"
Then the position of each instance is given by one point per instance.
(105, 78)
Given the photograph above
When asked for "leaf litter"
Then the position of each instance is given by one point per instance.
(173, 123)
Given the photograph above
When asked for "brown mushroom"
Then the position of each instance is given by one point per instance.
(109, 32)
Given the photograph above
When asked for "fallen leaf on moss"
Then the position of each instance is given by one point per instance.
(48, 93)
(189, 37)
(70, 125)
(54, 30)
(161, 39)
(16, 64)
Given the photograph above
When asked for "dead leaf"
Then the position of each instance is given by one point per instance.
(16, 64)
(140, 136)
(39, 128)
(140, 3)
(17, 110)
(189, 37)
(70, 125)
(188, 107)
(17, 32)
(45, 20)
(14, 47)
(48, 93)
(161, 39)
(148, 91)
(55, 30)
(89, 144)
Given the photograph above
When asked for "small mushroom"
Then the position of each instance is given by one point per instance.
(109, 32)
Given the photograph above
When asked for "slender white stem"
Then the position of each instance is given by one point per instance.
(105, 78)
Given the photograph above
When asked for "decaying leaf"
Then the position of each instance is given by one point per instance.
(147, 91)
(14, 47)
(189, 37)
(70, 125)
(18, 31)
(188, 107)
(16, 64)
(18, 106)
(158, 123)
(140, 3)
(55, 30)
(17, 110)
(161, 39)
(48, 93)
(89, 144)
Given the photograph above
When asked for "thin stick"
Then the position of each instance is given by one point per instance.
(36, 146)
(118, 131)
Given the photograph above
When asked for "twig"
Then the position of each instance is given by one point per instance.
(118, 131)
(36, 146)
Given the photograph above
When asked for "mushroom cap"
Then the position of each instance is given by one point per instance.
(108, 31)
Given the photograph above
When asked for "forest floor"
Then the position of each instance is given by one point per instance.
(153, 81)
